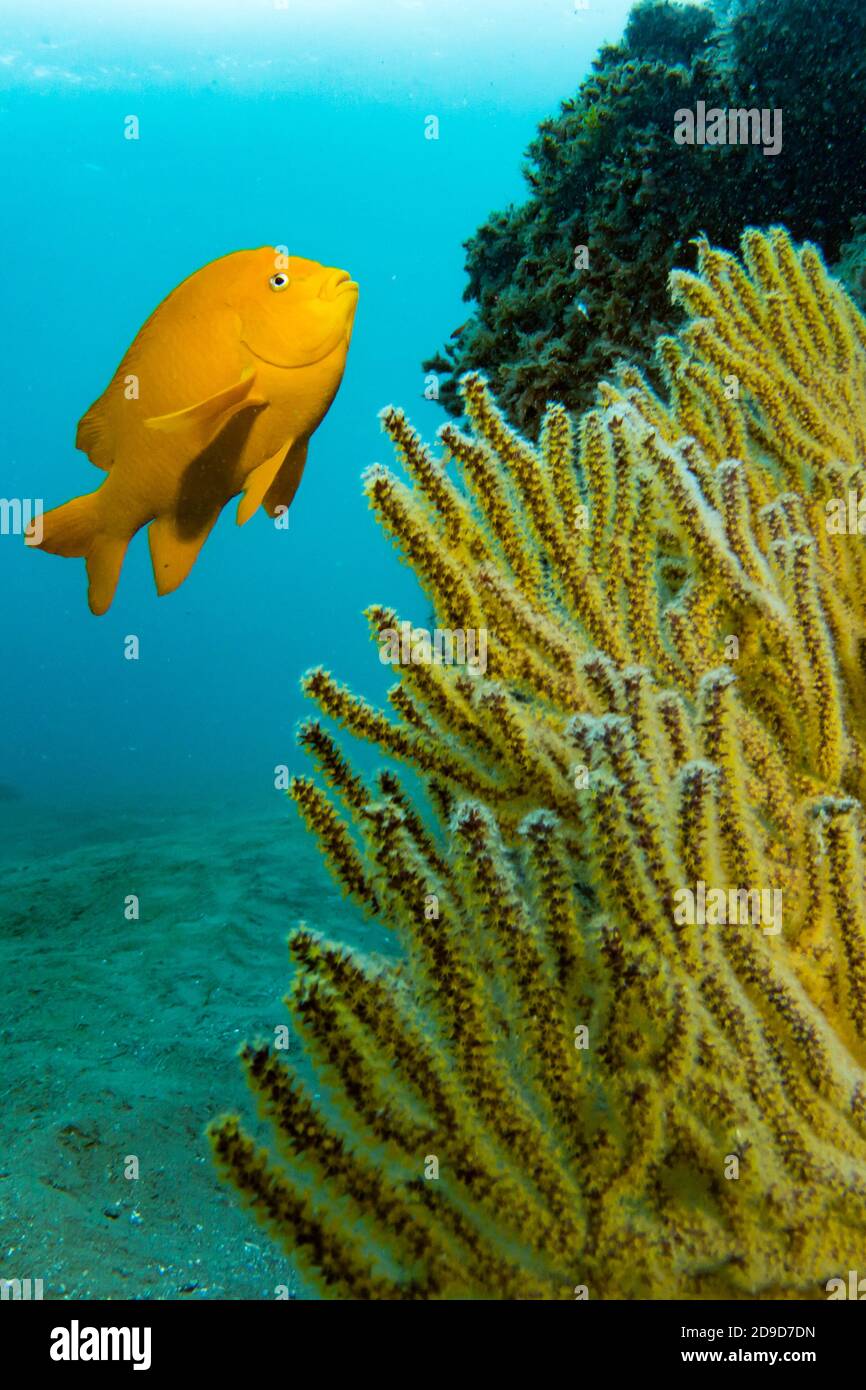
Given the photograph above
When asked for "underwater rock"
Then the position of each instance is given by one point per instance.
(606, 174)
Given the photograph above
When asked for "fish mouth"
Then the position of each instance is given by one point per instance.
(338, 283)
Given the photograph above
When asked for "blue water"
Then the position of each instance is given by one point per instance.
(257, 126)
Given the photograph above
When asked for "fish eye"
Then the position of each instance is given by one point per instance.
(279, 281)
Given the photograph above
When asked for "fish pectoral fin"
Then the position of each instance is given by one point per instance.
(205, 420)
(173, 554)
(256, 484)
(282, 493)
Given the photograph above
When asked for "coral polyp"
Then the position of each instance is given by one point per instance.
(562, 1083)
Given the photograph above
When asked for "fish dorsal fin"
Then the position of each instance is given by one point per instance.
(286, 483)
(206, 419)
(95, 437)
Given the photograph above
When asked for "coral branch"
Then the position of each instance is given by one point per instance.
(624, 1043)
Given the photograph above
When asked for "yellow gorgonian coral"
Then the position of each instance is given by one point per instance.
(567, 1081)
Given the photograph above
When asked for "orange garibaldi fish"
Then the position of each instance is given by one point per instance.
(218, 395)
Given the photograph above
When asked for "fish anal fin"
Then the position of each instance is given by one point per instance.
(257, 483)
(173, 554)
(94, 436)
(104, 561)
(281, 494)
(206, 419)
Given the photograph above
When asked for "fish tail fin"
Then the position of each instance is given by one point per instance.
(67, 530)
(74, 529)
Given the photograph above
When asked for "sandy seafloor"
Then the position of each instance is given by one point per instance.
(120, 1038)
